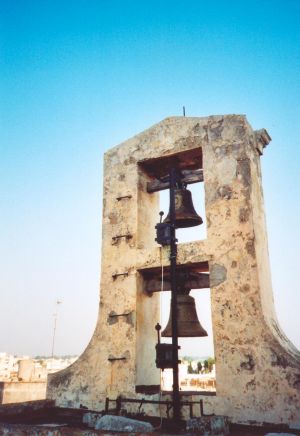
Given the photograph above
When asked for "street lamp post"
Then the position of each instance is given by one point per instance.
(55, 315)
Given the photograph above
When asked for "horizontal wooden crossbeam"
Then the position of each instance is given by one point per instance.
(189, 177)
(194, 281)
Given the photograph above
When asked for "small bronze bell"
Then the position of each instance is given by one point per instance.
(188, 324)
(185, 214)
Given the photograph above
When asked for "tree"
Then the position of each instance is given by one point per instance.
(206, 365)
(210, 363)
(199, 367)
(190, 369)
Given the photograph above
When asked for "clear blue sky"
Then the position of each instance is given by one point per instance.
(78, 77)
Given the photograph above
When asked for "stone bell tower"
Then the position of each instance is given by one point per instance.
(257, 368)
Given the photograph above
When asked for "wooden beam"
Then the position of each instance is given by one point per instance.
(195, 281)
(189, 177)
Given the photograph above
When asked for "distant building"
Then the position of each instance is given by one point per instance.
(25, 379)
(7, 366)
(189, 382)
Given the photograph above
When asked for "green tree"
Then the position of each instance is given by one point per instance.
(190, 369)
(206, 365)
(210, 363)
(199, 366)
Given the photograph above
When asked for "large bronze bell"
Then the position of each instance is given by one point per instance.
(185, 214)
(188, 325)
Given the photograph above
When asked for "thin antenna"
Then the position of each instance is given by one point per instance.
(55, 315)
(183, 108)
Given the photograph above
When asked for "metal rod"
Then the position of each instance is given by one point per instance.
(114, 276)
(123, 196)
(126, 235)
(112, 359)
(114, 315)
(169, 407)
(173, 256)
(118, 404)
(201, 408)
(54, 330)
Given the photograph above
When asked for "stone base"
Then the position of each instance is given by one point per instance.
(208, 425)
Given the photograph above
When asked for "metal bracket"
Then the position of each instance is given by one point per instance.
(112, 315)
(121, 197)
(112, 359)
(114, 276)
(126, 236)
(140, 406)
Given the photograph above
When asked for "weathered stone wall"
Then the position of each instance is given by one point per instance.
(18, 392)
(257, 368)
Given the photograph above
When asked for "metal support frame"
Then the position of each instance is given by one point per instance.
(173, 257)
(169, 405)
(175, 181)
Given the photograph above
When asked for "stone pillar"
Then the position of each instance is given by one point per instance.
(257, 368)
